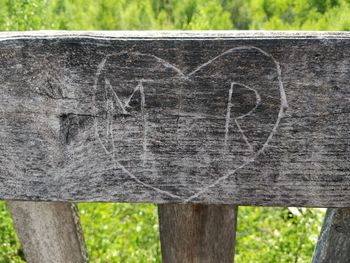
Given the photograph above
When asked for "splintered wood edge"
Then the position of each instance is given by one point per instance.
(174, 34)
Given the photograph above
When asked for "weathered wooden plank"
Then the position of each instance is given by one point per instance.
(197, 233)
(334, 241)
(212, 117)
(49, 232)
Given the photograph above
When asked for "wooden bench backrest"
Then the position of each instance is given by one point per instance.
(245, 118)
(248, 118)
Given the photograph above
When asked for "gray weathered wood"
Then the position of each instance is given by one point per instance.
(334, 241)
(49, 232)
(204, 117)
(197, 233)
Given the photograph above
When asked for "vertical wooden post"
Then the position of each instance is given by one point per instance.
(197, 233)
(49, 231)
(334, 241)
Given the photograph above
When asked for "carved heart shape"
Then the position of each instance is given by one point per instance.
(201, 126)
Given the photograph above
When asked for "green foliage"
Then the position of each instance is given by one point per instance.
(210, 16)
(23, 15)
(129, 232)
(280, 235)
(175, 14)
(9, 246)
(121, 232)
(300, 14)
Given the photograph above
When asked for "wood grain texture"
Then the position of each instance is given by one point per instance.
(197, 233)
(49, 232)
(259, 118)
(334, 241)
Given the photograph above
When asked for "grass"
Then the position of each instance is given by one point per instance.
(10, 250)
(121, 232)
(129, 233)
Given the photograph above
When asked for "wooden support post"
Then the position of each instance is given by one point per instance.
(49, 232)
(197, 233)
(334, 241)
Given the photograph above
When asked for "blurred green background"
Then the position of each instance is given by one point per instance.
(129, 232)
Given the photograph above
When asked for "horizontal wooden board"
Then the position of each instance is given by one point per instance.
(250, 118)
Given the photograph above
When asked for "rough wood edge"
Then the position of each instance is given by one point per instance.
(197, 233)
(156, 34)
(49, 231)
